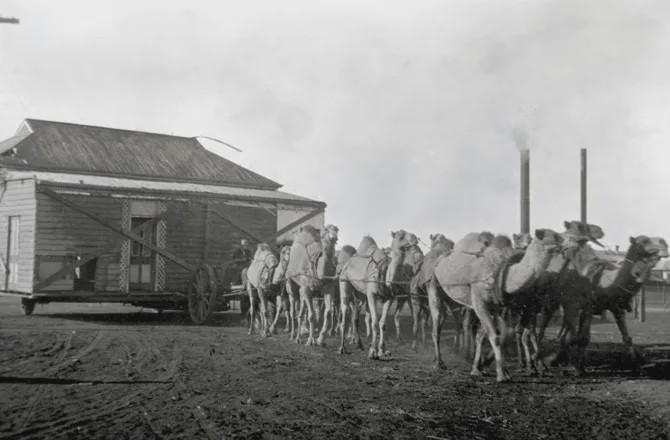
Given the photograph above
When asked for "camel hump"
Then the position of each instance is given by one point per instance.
(368, 247)
(343, 255)
(308, 234)
(474, 243)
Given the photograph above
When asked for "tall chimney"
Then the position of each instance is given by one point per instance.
(583, 185)
(525, 190)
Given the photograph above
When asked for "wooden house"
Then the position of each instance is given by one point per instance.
(100, 214)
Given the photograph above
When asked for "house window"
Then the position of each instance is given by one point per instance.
(13, 233)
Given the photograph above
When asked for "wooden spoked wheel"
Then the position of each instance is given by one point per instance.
(202, 295)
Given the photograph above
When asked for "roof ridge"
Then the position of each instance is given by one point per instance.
(30, 120)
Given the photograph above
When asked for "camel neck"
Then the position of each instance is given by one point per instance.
(526, 271)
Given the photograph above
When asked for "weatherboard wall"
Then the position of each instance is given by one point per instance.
(63, 234)
(17, 198)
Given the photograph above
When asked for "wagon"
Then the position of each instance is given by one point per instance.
(92, 214)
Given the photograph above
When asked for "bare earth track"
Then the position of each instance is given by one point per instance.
(103, 371)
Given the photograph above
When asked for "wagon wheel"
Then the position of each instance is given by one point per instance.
(202, 294)
(28, 306)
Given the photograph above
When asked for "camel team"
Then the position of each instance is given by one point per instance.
(488, 284)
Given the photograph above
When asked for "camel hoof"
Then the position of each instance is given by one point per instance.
(310, 342)
(250, 332)
(440, 365)
(532, 372)
(373, 355)
(504, 378)
(297, 341)
(476, 372)
(272, 330)
(320, 342)
(341, 351)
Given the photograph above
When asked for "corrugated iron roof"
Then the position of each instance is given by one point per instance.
(147, 187)
(11, 142)
(65, 147)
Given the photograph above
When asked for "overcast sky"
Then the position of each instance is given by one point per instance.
(397, 114)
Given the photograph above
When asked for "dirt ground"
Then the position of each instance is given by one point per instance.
(107, 371)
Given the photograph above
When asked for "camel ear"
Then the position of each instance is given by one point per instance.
(516, 236)
(566, 224)
(393, 234)
(539, 234)
(632, 240)
(432, 236)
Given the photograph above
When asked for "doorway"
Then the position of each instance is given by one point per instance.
(142, 259)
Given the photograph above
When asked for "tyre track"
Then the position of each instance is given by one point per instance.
(66, 424)
(59, 364)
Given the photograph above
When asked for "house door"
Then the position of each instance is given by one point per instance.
(12, 263)
(142, 259)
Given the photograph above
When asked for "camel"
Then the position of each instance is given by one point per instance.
(473, 244)
(258, 278)
(608, 287)
(309, 270)
(478, 275)
(440, 246)
(351, 303)
(365, 274)
(402, 270)
(525, 305)
(282, 303)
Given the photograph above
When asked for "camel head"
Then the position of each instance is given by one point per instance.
(284, 255)
(521, 241)
(550, 241)
(661, 245)
(329, 233)
(645, 252)
(264, 254)
(269, 260)
(579, 232)
(439, 240)
(401, 242)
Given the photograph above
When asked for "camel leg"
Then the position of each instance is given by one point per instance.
(345, 296)
(570, 318)
(301, 312)
(382, 328)
(287, 312)
(373, 323)
(264, 315)
(489, 324)
(355, 336)
(396, 319)
(328, 305)
(620, 319)
(416, 317)
(477, 358)
(435, 303)
(306, 296)
(584, 339)
(368, 323)
(252, 311)
(525, 340)
(424, 312)
(279, 308)
(291, 309)
(519, 332)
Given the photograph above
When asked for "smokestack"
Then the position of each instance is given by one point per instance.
(525, 190)
(583, 185)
